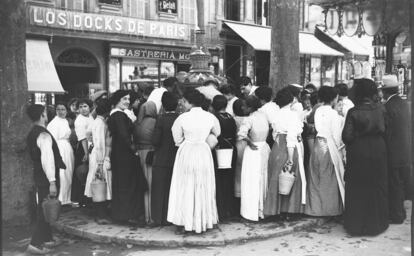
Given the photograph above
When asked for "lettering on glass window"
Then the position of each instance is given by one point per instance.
(167, 6)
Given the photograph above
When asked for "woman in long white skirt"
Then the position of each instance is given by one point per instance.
(99, 159)
(254, 131)
(99, 154)
(59, 128)
(192, 202)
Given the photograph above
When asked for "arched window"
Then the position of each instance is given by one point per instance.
(77, 57)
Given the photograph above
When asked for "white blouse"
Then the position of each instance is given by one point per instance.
(298, 109)
(229, 108)
(255, 127)
(194, 126)
(328, 124)
(286, 121)
(59, 128)
(347, 105)
(269, 109)
(156, 96)
(82, 124)
(98, 129)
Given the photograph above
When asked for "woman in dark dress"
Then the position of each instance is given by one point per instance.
(366, 189)
(128, 181)
(226, 203)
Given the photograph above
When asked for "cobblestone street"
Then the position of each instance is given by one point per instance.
(324, 240)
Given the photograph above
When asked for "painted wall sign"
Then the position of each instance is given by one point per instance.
(150, 53)
(167, 6)
(47, 17)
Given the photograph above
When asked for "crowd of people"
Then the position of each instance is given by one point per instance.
(157, 150)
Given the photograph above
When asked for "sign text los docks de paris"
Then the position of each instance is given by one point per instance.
(47, 17)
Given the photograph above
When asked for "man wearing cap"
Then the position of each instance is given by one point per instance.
(398, 145)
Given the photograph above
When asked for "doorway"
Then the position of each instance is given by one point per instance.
(76, 68)
(232, 62)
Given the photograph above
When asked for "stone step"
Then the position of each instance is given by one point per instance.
(80, 223)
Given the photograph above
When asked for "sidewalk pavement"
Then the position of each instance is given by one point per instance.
(80, 223)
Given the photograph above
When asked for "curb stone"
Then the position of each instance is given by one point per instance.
(81, 225)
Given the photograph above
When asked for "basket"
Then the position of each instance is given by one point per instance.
(51, 209)
(224, 158)
(286, 180)
(98, 189)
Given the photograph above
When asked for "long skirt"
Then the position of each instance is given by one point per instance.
(276, 203)
(68, 158)
(366, 191)
(240, 147)
(128, 187)
(161, 182)
(323, 197)
(226, 205)
(147, 169)
(192, 201)
(107, 174)
(78, 181)
(254, 181)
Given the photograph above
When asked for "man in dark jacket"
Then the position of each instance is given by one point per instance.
(47, 162)
(398, 145)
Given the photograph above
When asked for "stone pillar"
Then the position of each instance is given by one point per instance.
(16, 169)
(284, 54)
(411, 27)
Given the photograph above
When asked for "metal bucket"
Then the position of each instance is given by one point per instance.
(286, 180)
(98, 189)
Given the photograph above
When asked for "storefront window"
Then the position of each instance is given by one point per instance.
(114, 73)
(167, 69)
(316, 71)
(145, 71)
(358, 69)
(345, 71)
(328, 70)
(305, 62)
(366, 69)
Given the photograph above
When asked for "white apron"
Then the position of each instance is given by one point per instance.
(254, 181)
(336, 158)
(300, 149)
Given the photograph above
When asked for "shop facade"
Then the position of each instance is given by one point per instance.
(319, 63)
(104, 50)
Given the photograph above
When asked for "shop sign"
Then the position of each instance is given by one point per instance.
(167, 6)
(110, 2)
(148, 53)
(89, 22)
(332, 21)
(350, 20)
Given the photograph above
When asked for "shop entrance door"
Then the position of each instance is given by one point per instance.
(232, 62)
(76, 68)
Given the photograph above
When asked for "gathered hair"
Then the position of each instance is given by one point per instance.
(284, 97)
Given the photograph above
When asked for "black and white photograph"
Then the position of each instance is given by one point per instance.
(207, 127)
